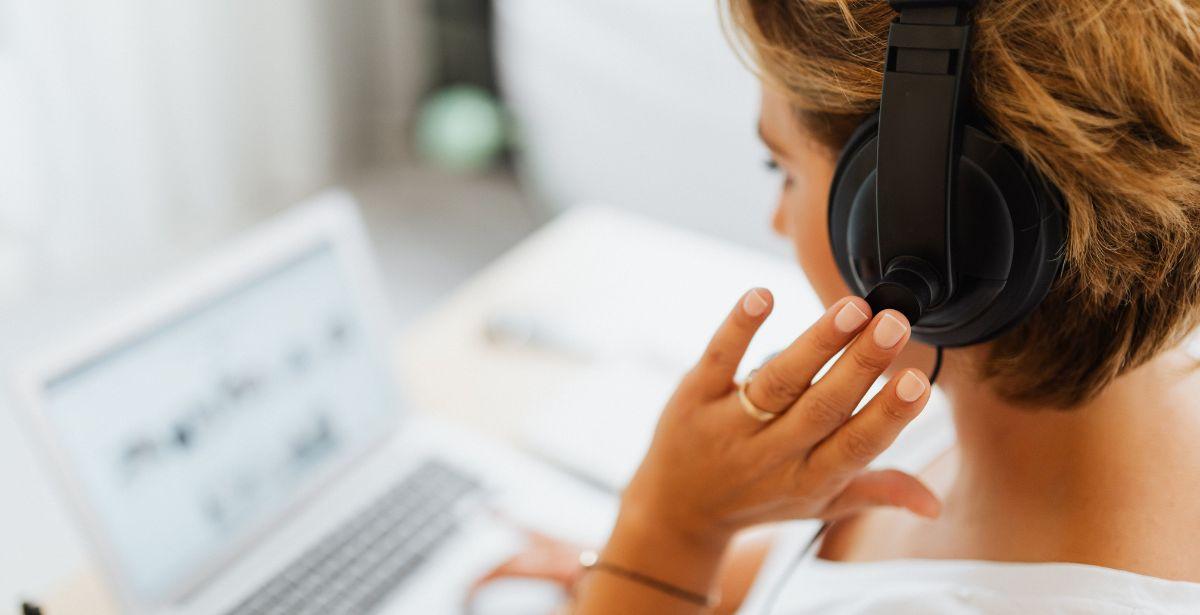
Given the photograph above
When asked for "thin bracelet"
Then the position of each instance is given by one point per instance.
(590, 560)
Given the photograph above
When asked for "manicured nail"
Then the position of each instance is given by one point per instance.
(754, 304)
(910, 388)
(849, 318)
(889, 331)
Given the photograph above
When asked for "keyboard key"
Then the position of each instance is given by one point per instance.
(357, 565)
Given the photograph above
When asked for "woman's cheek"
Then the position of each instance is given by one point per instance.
(779, 222)
(811, 239)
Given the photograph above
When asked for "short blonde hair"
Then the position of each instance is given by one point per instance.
(1104, 99)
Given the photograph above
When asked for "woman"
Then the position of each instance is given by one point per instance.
(1073, 482)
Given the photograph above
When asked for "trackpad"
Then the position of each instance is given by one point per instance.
(518, 597)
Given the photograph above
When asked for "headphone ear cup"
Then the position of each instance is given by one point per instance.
(1005, 233)
(851, 227)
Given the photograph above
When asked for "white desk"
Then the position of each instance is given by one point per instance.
(626, 288)
(612, 284)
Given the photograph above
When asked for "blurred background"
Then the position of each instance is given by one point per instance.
(130, 127)
(136, 134)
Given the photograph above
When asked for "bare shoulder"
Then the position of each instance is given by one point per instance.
(887, 533)
(1152, 535)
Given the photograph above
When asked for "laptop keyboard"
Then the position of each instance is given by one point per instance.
(356, 566)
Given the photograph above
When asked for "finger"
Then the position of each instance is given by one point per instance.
(885, 488)
(830, 401)
(557, 563)
(508, 569)
(551, 565)
(713, 375)
(778, 384)
(868, 433)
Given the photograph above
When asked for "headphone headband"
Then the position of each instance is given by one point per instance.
(929, 213)
(920, 136)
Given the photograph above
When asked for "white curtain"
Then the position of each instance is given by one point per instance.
(124, 123)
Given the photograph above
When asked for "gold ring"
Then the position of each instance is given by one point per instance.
(748, 406)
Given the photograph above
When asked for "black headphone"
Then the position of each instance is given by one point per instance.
(931, 215)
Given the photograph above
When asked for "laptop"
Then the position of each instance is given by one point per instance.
(235, 442)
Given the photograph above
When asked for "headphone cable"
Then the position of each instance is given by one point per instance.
(937, 366)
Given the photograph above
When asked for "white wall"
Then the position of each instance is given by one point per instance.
(140, 119)
(639, 104)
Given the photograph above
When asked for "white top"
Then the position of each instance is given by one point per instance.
(948, 587)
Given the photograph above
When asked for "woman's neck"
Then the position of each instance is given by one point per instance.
(1107, 478)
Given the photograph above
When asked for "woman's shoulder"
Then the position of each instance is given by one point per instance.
(970, 586)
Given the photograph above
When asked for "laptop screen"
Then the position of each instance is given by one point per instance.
(198, 432)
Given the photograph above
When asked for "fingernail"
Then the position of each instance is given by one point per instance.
(910, 388)
(754, 304)
(849, 318)
(889, 331)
